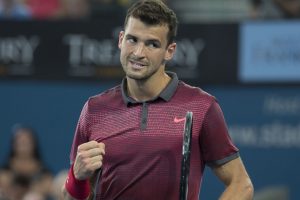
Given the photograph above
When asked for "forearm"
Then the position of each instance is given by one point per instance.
(67, 196)
(75, 189)
(238, 191)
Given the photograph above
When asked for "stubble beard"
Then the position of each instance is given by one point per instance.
(142, 75)
(139, 76)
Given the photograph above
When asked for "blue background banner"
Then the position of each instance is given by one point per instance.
(263, 122)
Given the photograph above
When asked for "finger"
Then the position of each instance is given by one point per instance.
(96, 165)
(102, 146)
(94, 152)
(96, 159)
(88, 145)
(84, 168)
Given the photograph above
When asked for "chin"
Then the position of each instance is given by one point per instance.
(137, 76)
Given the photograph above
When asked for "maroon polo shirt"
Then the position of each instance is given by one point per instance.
(143, 140)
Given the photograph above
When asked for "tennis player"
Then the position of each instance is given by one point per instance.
(132, 134)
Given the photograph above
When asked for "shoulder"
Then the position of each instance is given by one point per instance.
(111, 97)
(106, 100)
(193, 93)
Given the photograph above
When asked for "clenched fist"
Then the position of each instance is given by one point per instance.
(88, 159)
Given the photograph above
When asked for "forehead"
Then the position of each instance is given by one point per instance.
(141, 30)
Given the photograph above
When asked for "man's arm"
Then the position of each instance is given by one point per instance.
(88, 160)
(66, 195)
(235, 177)
(93, 181)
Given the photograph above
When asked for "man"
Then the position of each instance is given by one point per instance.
(133, 132)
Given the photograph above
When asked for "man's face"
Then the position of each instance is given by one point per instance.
(144, 49)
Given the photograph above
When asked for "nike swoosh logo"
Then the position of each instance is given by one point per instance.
(177, 120)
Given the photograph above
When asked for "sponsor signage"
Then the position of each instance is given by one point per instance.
(89, 49)
(270, 52)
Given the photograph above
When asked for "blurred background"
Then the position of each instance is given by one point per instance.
(54, 54)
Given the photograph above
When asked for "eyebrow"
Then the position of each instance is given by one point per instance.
(130, 36)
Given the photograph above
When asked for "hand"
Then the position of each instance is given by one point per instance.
(88, 159)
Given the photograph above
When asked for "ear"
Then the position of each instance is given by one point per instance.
(121, 37)
(170, 51)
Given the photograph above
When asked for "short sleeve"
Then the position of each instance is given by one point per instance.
(216, 145)
(81, 131)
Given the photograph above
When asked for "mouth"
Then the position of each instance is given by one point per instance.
(137, 65)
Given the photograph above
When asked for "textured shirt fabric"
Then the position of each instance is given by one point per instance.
(143, 140)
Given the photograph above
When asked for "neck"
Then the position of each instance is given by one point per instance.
(143, 90)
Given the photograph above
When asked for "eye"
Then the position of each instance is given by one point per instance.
(153, 44)
(131, 40)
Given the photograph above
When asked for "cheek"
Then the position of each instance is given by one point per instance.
(125, 51)
(123, 56)
(158, 57)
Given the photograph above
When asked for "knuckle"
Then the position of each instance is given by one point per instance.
(102, 145)
(85, 162)
(93, 143)
(79, 155)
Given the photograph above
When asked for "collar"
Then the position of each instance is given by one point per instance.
(165, 94)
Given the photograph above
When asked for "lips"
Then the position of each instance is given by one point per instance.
(137, 65)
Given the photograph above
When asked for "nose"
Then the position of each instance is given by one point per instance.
(139, 50)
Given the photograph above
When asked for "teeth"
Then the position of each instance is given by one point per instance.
(137, 65)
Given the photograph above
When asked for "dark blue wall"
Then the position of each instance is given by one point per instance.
(51, 108)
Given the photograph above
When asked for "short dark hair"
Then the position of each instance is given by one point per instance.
(154, 12)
